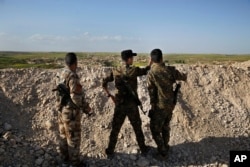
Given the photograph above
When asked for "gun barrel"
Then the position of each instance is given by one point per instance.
(53, 90)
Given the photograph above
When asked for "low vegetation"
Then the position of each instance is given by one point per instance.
(55, 59)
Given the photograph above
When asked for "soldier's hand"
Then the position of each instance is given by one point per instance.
(185, 77)
(150, 62)
(150, 112)
(112, 97)
(88, 109)
(153, 107)
(91, 114)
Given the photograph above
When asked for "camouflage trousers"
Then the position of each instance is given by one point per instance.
(69, 121)
(120, 113)
(160, 127)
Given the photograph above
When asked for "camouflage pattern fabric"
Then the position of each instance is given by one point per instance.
(69, 119)
(160, 80)
(125, 105)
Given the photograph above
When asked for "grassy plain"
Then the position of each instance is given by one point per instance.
(55, 59)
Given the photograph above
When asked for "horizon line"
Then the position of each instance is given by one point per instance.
(171, 53)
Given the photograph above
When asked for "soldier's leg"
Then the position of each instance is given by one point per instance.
(156, 124)
(118, 119)
(63, 145)
(166, 129)
(135, 120)
(74, 140)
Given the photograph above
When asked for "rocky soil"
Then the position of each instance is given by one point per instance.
(211, 118)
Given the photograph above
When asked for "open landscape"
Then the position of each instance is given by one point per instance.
(211, 118)
(55, 59)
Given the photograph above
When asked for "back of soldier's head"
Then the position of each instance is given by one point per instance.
(70, 58)
(156, 55)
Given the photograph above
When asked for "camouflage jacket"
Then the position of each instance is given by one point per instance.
(72, 82)
(160, 80)
(128, 74)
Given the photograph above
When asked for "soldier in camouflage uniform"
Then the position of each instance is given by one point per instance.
(125, 104)
(69, 116)
(160, 80)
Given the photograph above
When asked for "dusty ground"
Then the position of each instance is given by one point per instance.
(211, 118)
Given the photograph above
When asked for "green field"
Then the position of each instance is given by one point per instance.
(55, 59)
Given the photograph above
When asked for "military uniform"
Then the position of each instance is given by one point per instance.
(125, 104)
(69, 118)
(160, 80)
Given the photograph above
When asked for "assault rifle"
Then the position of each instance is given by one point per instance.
(64, 93)
(134, 95)
(177, 88)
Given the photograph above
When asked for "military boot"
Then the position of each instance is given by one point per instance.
(160, 157)
(145, 151)
(110, 154)
(162, 153)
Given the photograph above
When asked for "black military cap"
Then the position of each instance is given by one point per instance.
(127, 54)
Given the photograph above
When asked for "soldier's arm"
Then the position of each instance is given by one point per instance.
(85, 105)
(109, 78)
(152, 90)
(137, 71)
(178, 75)
(75, 91)
(77, 95)
(105, 82)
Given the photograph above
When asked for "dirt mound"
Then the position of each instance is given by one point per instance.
(210, 118)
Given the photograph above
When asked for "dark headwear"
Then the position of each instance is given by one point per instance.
(156, 55)
(127, 54)
(157, 52)
(70, 58)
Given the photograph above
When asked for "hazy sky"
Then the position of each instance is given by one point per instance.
(175, 26)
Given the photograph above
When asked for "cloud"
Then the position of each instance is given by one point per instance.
(106, 38)
(46, 38)
(2, 34)
(113, 38)
(78, 42)
(86, 33)
(85, 36)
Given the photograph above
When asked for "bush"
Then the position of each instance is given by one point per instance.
(108, 63)
(180, 61)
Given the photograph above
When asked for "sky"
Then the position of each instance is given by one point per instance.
(174, 26)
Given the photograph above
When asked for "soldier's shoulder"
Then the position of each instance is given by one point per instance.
(170, 67)
(118, 70)
(68, 74)
(150, 74)
(133, 68)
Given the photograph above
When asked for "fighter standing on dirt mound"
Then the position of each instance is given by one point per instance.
(160, 80)
(69, 115)
(125, 78)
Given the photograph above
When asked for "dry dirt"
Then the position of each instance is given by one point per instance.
(210, 119)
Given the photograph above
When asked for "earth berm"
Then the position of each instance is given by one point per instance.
(210, 119)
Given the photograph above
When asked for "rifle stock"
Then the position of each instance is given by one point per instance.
(66, 99)
(134, 95)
